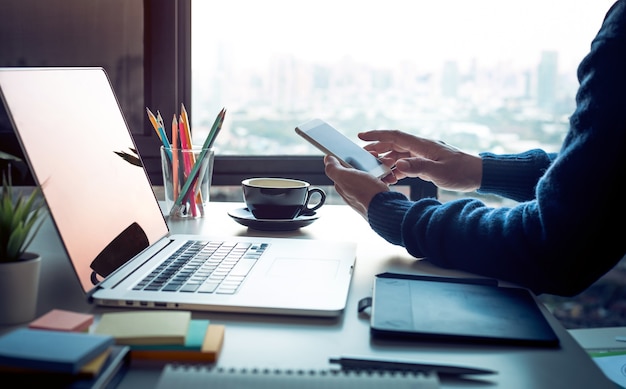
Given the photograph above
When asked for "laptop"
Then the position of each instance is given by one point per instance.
(72, 131)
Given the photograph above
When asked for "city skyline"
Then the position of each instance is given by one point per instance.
(267, 85)
(434, 105)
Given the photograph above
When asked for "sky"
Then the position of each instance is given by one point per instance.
(384, 31)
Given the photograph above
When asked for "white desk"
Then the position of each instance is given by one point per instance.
(306, 343)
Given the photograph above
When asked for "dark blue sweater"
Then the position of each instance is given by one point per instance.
(569, 225)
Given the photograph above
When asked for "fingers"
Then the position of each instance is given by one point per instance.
(393, 138)
(399, 144)
(334, 170)
(435, 161)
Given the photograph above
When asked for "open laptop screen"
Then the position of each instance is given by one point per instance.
(74, 135)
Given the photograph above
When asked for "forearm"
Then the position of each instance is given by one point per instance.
(534, 246)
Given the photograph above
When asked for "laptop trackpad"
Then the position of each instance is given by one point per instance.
(315, 269)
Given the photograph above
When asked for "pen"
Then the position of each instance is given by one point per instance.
(371, 364)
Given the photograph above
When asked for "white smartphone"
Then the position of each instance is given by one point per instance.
(330, 141)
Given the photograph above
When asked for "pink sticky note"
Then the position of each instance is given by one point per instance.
(62, 320)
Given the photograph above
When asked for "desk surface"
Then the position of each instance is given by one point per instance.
(263, 341)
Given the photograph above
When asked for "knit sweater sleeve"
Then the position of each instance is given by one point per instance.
(514, 176)
(567, 231)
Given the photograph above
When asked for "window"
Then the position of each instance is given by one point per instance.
(483, 75)
(501, 81)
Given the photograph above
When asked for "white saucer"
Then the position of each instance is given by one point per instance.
(244, 217)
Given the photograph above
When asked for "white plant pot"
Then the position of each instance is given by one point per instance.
(19, 286)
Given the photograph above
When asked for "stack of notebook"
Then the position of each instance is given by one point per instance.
(61, 358)
(163, 335)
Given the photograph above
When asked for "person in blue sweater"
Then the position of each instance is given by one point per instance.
(568, 226)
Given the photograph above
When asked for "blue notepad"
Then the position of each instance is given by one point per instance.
(54, 351)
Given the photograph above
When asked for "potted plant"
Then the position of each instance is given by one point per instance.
(20, 219)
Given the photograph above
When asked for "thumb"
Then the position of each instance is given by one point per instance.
(330, 160)
(331, 166)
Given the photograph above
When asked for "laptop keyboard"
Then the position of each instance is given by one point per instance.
(204, 267)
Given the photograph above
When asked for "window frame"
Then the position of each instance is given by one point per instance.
(167, 72)
(168, 57)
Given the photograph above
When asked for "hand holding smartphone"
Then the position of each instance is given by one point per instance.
(330, 141)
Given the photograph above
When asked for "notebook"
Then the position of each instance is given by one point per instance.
(71, 128)
(197, 376)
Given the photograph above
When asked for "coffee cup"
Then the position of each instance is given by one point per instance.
(280, 198)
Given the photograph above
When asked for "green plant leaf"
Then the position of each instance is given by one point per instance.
(20, 220)
(16, 240)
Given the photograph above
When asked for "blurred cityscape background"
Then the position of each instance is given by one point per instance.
(501, 81)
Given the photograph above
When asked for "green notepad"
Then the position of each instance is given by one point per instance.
(145, 327)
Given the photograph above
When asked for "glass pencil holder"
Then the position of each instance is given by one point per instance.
(187, 175)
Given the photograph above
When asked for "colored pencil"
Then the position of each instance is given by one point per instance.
(187, 162)
(217, 124)
(154, 122)
(158, 127)
(197, 194)
(175, 157)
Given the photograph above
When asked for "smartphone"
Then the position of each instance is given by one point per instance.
(330, 141)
